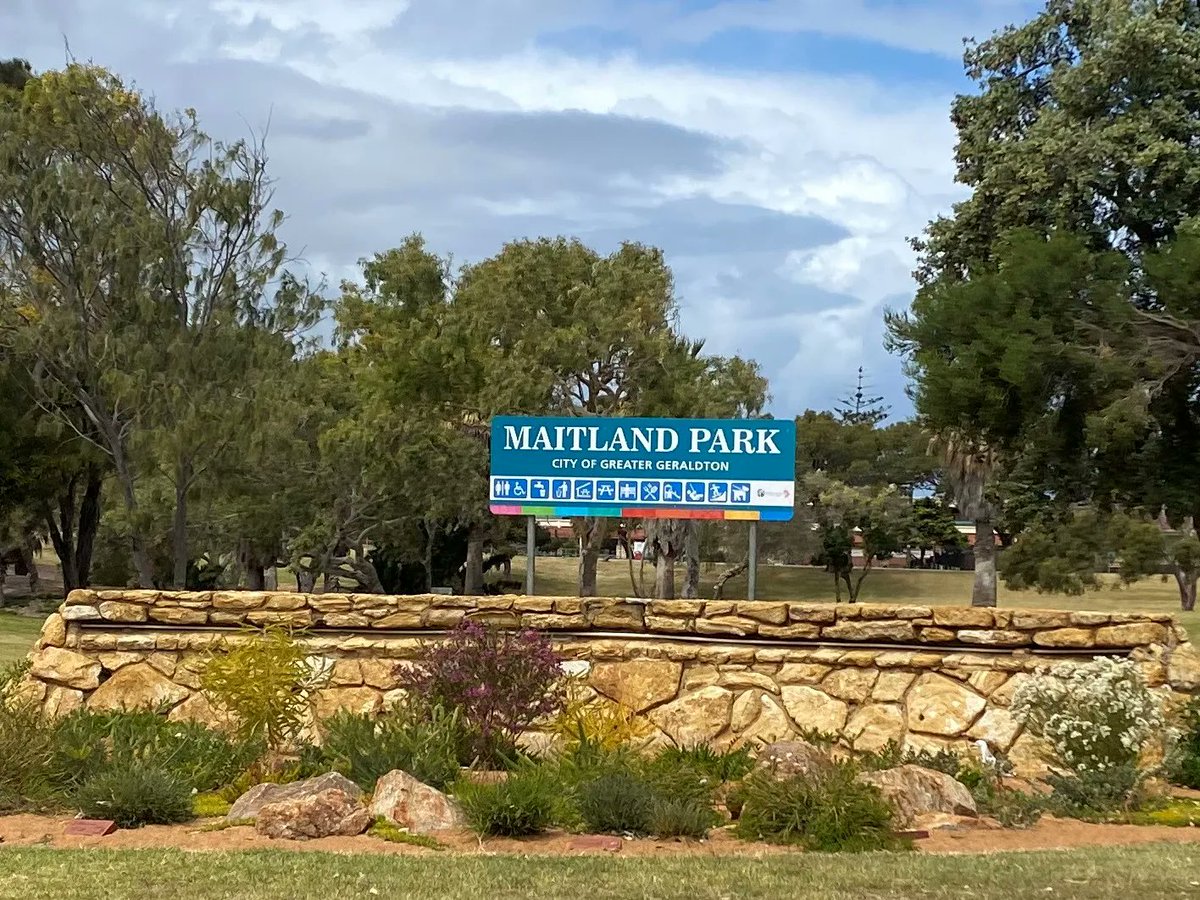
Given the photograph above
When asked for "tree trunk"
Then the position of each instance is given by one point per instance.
(1187, 589)
(664, 575)
(430, 534)
(28, 558)
(591, 531)
(473, 570)
(984, 591)
(179, 536)
(256, 577)
(89, 525)
(691, 578)
(137, 540)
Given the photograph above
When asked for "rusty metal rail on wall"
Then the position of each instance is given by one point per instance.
(794, 643)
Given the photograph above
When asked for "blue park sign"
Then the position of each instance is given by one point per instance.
(647, 468)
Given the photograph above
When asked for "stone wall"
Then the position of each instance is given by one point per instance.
(726, 673)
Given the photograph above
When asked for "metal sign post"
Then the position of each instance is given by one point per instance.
(752, 571)
(530, 553)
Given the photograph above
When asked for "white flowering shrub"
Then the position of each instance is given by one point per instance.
(1097, 717)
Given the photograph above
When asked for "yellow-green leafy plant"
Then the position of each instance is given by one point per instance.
(597, 721)
(265, 685)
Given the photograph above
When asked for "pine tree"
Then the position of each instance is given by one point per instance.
(860, 409)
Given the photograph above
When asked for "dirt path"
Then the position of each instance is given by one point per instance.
(1049, 833)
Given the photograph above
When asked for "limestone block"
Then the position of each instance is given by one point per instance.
(345, 620)
(915, 742)
(997, 727)
(504, 602)
(116, 611)
(763, 611)
(534, 604)
(879, 611)
(1132, 635)
(616, 614)
(1183, 668)
(723, 656)
(744, 680)
(298, 618)
(178, 616)
(300, 601)
(719, 608)
(1029, 755)
(637, 683)
(362, 700)
(738, 626)
(891, 685)
(566, 605)
(695, 718)
(813, 709)
(1065, 637)
(81, 597)
(986, 681)
(405, 619)
(937, 635)
(870, 631)
(61, 701)
(850, 684)
(380, 673)
(80, 613)
(863, 658)
(197, 708)
(668, 625)
(1090, 618)
(759, 719)
(700, 676)
(65, 667)
(139, 686)
(1039, 618)
(963, 616)
(940, 705)
(679, 609)
(874, 726)
(238, 601)
(804, 631)
(993, 637)
(442, 618)
(54, 631)
(129, 642)
(326, 603)
(802, 673)
(815, 613)
(553, 622)
(226, 618)
(113, 660)
(346, 673)
(164, 663)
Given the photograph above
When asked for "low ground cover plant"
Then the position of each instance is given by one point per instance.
(529, 801)
(136, 795)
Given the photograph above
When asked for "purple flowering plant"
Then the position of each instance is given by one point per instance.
(500, 681)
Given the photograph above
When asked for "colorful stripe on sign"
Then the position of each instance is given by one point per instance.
(568, 512)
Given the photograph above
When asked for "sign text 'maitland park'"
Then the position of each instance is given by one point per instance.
(664, 468)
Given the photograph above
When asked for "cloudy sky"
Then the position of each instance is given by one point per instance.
(780, 151)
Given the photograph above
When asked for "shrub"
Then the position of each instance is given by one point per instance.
(26, 748)
(134, 796)
(87, 743)
(1090, 792)
(719, 766)
(1096, 717)
(618, 801)
(827, 811)
(266, 685)
(527, 802)
(893, 754)
(500, 681)
(1183, 763)
(585, 718)
(426, 745)
(682, 817)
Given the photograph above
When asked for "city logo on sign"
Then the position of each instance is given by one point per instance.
(606, 490)
(672, 492)
(718, 492)
(739, 492)
(627, 490)
(583, 490)
(539, 488)
(694, 493)
(650, 491)
(562, 489)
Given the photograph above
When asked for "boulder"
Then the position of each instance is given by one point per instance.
(402, 799)
(65, 667)
(915, 791)
(250, 803)
(139, 686)
(788, 758)
(324, 814)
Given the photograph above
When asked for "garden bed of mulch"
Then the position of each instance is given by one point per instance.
(981, 837)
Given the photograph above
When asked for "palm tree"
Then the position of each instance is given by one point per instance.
(969, 467)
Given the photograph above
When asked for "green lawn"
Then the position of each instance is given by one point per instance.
(16, 634)
(1150, 871)
(557, 576)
